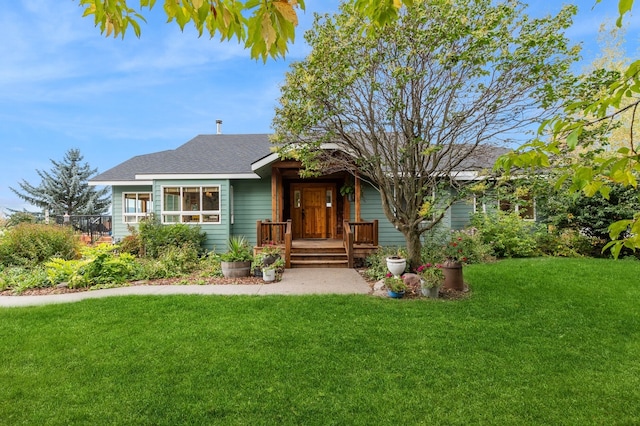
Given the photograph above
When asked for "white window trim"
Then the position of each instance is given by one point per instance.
(137, 215)
(181, 213)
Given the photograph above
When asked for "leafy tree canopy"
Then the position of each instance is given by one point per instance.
(411, 105)
(595, 108)
(65, 189)
(266, 27)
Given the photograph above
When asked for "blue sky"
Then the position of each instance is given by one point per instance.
(63, 85)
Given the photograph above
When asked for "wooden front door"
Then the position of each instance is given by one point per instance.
(313, 210)
(314, 213)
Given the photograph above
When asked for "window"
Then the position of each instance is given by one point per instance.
(525, 207)
(191, 204)
(136, 206)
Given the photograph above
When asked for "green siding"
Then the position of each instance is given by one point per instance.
(456, 217)
(252, 202)
(370, 209)
(120, 229)
(460, 214)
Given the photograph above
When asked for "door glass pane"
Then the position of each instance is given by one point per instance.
(296, 199)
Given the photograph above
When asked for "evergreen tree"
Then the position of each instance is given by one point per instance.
(65, 189)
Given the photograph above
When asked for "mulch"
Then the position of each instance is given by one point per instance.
(194, 279)
(412, 293)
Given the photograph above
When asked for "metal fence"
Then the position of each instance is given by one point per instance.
(93, 226)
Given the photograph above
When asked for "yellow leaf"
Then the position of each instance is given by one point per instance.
(268, 32)
(109, 29)
(286, 10)
(397, 4)
(197, 3)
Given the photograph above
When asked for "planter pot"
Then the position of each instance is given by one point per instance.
(236, 269)
(452, 276)
(269, 275)
(395, 294)
(268, 260)
(431, 292)
(396, 265)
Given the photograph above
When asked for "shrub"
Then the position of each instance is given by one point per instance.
(155, 236)
(31, 244)
(100, 266)
(467, 246)
(131, 244)
(210, 265)
(18, 279)
(507, 233)
(567, 243)
(172, 262)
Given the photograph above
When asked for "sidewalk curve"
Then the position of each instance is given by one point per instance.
(295, 281)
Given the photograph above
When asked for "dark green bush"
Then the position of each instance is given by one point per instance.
(31, 244)
(155, 236)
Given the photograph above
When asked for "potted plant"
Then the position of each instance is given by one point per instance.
(396, 264)
(271, 271)
(456, 256)
(395, 285)
(236, 262)
(268, 254)
(431, 279)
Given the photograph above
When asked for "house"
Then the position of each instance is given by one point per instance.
(235, 185)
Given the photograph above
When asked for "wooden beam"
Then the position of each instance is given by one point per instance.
(274, 194)
(357, 195)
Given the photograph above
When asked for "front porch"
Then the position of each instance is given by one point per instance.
(359, 239)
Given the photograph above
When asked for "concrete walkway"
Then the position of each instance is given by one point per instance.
(294, 281)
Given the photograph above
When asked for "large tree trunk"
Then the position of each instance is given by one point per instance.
(414, 248)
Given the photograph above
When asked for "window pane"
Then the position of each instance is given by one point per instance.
(129, 203)
(144, 203)
(190, 218)
(190, 199)
(505, 206)
(170, 218)
(211, 218)
(172, 199)
(130, 219)
(211, 199)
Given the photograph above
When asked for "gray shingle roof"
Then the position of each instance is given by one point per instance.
(204, 154)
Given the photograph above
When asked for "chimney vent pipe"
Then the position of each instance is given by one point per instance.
(219, 127)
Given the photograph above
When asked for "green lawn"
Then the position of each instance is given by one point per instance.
(540, 341)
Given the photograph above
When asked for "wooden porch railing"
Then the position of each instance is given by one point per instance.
(270, 233)
(359, 233)
(276, 233)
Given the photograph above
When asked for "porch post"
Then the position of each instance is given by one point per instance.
(357, 195)
(275, 199)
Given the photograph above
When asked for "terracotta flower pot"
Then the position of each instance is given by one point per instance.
(452, 276)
